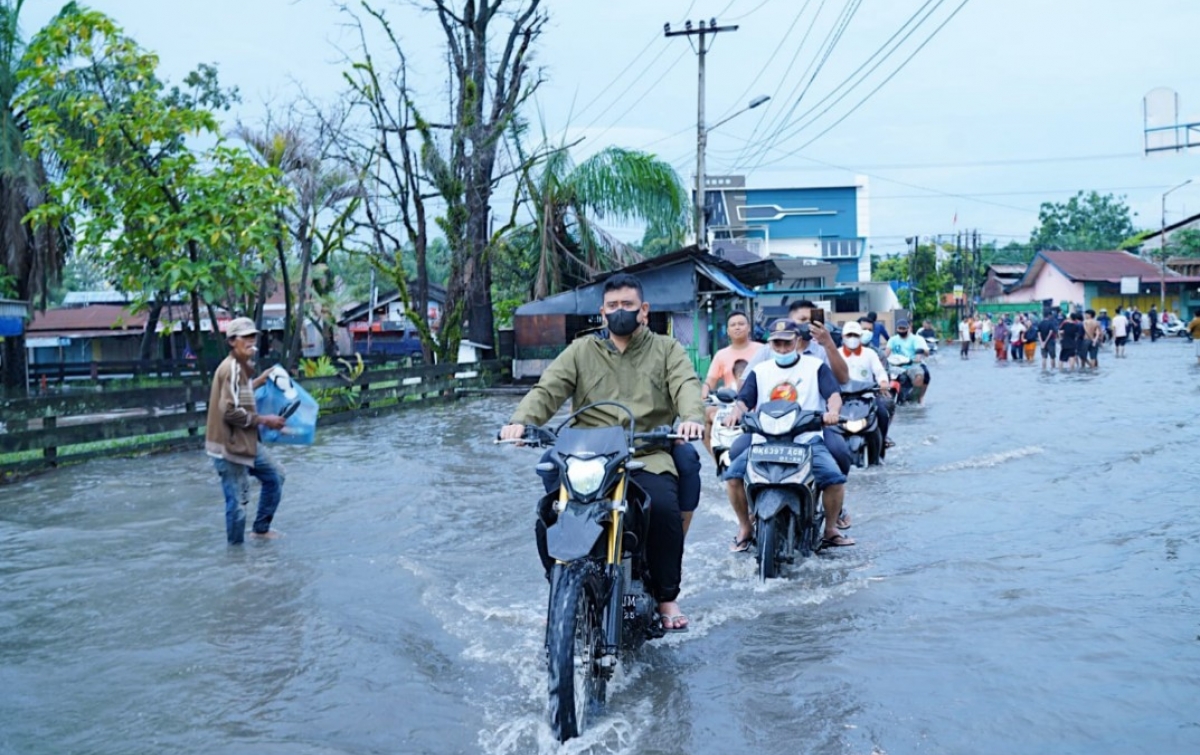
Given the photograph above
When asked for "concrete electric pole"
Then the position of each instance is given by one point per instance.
(703, 31)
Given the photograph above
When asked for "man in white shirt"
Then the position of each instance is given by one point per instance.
(864, 365)
(1120, 329)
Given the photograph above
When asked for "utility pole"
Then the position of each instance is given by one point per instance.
(703, 31)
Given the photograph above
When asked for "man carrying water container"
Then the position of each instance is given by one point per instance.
(231, 436)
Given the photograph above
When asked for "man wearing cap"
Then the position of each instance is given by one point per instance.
(865, 366)
(914, 348)
(817, 390)
(231, 436)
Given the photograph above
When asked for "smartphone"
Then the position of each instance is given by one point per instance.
(816, 314)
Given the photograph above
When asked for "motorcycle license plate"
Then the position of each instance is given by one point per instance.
(789, 454)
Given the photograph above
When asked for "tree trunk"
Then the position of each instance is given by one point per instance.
(294, 348)
(150, 335)
(14, 359)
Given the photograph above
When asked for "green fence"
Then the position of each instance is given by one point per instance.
(47, 431)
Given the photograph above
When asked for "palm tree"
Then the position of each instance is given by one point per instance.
(325, 197)
(32, 256)
(567, 201)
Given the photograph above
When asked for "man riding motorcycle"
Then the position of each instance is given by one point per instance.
(914, 348)
(864, 365)
(815, 389)
(653, 376)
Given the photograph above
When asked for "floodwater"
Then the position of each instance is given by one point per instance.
(1025, 581)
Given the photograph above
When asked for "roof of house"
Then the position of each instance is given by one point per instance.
(1008, 268)
(1186, 222)
(93, 321)
(670, 281)
(436, 294)
(1094, 266)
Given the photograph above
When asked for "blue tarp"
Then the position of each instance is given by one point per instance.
(721, 278)
(12, 326)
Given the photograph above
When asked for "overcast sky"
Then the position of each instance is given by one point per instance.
(1011, 103)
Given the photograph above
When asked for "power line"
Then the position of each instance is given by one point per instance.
(786, 34)
(654, 38)
(887, 46)
(830, 42)
(795, 56)
(643, 96)
(881, 84)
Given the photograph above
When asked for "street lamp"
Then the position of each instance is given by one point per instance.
(1162, 250)
(701, 145)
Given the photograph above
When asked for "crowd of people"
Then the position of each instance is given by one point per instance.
(1064, 341)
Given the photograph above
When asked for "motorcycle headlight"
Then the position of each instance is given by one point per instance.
(856, 425)
(777, 426)
(585, 475)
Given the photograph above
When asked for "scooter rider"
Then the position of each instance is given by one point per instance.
(653, 376)
(912, 347)
(817, 390)
(864, 365)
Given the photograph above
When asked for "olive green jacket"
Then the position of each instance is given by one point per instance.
(653, 377)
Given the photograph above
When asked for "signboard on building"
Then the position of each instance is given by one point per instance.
(1130, 284)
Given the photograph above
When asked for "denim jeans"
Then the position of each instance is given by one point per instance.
(235, 484)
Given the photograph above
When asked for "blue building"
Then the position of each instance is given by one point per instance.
(827, 224)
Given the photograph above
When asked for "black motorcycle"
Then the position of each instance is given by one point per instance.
(596, 525)
(858, 423)
(781, 491)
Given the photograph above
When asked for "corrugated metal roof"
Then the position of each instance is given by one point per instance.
(1094, 266)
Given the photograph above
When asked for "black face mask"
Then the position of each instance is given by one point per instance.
(622, 322)
(902, 333)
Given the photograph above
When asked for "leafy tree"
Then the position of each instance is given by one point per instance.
(32, 254)
(924, 281)
(324, 198)
(489, 45)
(1084, 222)
(1185, 243)
(166, 218)
(566, 201)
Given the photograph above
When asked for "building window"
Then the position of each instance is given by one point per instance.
(840, 248)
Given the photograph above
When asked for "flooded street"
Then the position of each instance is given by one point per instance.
(1025, 581)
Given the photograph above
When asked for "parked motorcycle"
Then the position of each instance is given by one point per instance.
(859, 423)
(781, 491)
(723, 437)
(596, 527)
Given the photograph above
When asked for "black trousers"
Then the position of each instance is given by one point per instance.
(664, 543)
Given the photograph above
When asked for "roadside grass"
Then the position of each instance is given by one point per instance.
(133, 445)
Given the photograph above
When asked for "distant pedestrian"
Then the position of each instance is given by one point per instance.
(1093, 335)
(1135, 323)
(1047, 338)
(985, 330)
(1193, 329)
(1154, 324)
(1069, 334)
(1001, 334)
(1016, 339)
(1031, 338)
(964, 337)
(1120, 332)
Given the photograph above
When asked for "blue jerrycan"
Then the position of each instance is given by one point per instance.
(283, 396)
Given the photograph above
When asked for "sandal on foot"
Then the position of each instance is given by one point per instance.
(674, 623)
(843, 521)
(837, 541)
(743, 545)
